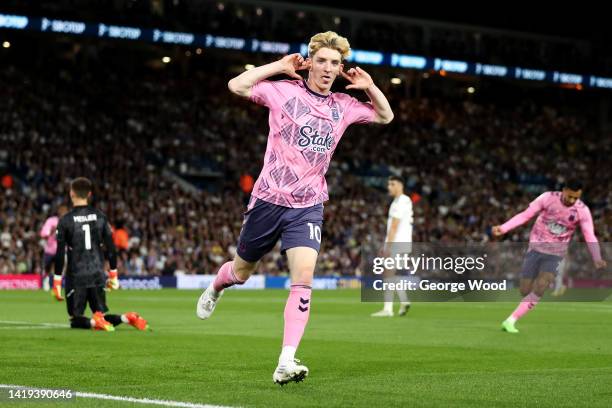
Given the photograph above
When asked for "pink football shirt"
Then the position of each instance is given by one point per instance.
(555, 225)
(305, 129)
(48, 232)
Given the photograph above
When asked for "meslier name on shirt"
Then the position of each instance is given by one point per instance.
(85, 218)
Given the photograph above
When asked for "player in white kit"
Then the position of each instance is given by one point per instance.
(399, 233)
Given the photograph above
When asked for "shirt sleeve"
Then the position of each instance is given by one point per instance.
(109, 245)
(588, 231)
(47, 228)
(534, 208)
(359, 112)
(61, 248)
(267, 93)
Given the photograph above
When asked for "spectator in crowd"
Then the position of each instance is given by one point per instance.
(470, 164)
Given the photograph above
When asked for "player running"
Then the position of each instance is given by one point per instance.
(83, 236)
(47, 232)
(559, 214)
(399, 230)
(306, 122)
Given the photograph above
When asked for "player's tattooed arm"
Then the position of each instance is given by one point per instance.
(359, 79)
(390, 238)
(393, 230)
(288, 65)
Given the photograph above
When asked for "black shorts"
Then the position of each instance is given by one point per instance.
(78, 298)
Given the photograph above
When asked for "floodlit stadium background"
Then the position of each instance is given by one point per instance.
(492, 107)
(134, 96)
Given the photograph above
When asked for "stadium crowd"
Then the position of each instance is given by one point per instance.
(467, 166)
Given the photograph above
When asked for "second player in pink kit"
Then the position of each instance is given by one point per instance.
(307, 122)
(47, 232)
(559, 213)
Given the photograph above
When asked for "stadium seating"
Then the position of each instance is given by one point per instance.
(471, 165)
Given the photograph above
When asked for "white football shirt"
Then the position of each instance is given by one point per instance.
(401, 208)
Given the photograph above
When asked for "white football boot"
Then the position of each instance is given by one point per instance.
(288, 371)
(382, 313)
(207, 303)
(404, 307)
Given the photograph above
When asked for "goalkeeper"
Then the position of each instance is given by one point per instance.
(83, 235)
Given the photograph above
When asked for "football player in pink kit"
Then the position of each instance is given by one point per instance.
(47, 232)
(560, 212)
(306, 121)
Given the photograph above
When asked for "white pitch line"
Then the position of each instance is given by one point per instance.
(165, 403)
(29, 328)
(32, 324)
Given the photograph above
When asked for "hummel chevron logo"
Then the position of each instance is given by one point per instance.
(302, 309)
(304, 301)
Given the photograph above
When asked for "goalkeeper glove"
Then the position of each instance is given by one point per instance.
(57, 288)
(112, 283)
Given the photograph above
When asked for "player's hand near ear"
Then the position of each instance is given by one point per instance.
(292, 63)
(358, 78)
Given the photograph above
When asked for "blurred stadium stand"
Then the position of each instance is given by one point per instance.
(167, 144)
(276, 21)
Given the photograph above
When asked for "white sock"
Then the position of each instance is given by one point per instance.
(559, 277)
(124, 319)
(287, 354)
(388, 307)
(403, 297)
(511, 319)
(558, 280)
(213, 292)
(92, 322)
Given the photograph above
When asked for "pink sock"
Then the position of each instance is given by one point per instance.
(226, 277)
(297, 311)
(527, 303)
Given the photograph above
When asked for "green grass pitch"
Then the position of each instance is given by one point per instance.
(440, 355)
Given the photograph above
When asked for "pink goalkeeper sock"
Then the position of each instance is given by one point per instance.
(226, 277)
(527, 303)
(297, 311)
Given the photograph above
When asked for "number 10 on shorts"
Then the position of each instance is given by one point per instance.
(315, 232)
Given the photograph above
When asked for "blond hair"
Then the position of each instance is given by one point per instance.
(329, 39)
